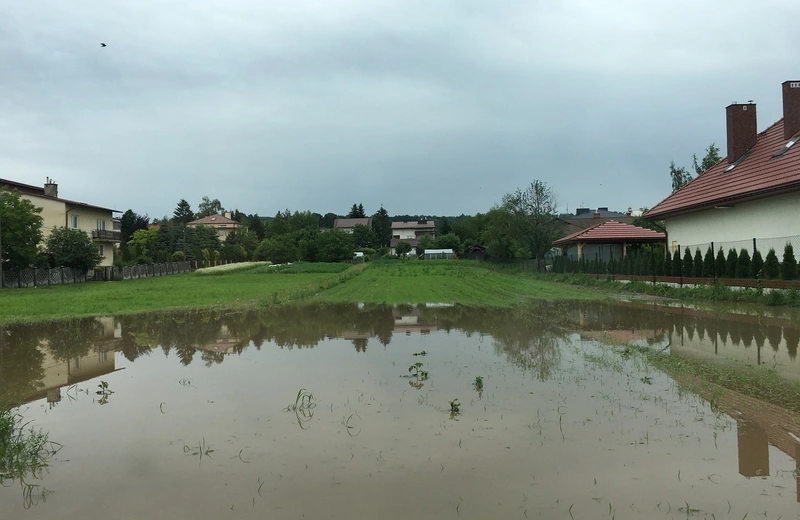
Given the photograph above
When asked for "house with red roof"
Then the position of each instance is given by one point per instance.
(606, 241)
(223, 224)
(754, 192)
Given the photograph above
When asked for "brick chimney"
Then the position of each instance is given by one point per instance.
(51, 188)
(742, 129)
(791, 108)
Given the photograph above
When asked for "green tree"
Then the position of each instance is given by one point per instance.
(720, 264)
(183, 212)
(243, 238)
(364, 236)
(757, 265)
(771, 265)
(208, 207)
(677, 265)
(145, 242)
(687, 268)
(789, 265)
(278, 250)
(708, 263)
(402, 248)
(382, 225)
(130, 222)
(20, 230)
(357, 211)
(470, 228)
(730, 263)
(257, 226)
(697, 264)
(680, 176)
(334, 245)
(449, 241)
(711, 158)
(743, 264)
(328, 220)
(72, 248)
(443, 227)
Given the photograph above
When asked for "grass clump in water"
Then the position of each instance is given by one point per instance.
(25, 452)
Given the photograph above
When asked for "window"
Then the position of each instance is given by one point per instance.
(103, 356)
(101, 224)
(76, 363)
(101, 250)
(75, 222)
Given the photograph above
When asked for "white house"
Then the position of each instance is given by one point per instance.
(411, 232)
(753, 193)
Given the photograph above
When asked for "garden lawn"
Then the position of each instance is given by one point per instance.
(448, 281)
(180, 291)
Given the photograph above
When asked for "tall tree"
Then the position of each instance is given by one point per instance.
(328, 219)
(257, 226)
(364, 236)
(208, 207)
(183, 212)
(382, 225)
(444, 227)
(20, 230)
(357, 211)
(533, 221)
(711, 158)
(680, 176)
(132, 222)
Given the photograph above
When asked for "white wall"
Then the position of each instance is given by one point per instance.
(774, 217)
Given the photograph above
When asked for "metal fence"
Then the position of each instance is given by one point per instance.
(763, 245)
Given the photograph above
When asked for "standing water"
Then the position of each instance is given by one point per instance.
(353, 411)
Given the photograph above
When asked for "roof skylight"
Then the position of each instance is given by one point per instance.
(785, 148)
(738, 161)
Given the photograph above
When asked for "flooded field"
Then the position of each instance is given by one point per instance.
(430, 411)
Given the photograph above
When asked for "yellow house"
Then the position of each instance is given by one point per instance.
(97, 222)
(223, 224)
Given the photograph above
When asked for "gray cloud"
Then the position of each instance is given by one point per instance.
(424, 107)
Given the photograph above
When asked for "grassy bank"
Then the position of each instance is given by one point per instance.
(445, 281)
(261, 285)
(462, 282)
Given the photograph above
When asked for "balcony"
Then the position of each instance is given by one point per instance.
(107, 235)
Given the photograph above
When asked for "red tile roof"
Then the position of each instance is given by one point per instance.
(613, 231)
(759, 175)
(414, 224)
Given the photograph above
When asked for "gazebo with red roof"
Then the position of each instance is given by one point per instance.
(606, 240)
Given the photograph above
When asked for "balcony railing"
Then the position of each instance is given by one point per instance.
(108, 235)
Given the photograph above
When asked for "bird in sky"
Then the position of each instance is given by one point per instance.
(102, 44)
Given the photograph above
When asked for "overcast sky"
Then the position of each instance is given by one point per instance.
(427, 107)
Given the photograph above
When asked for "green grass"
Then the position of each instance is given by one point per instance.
(304, 268)
(24, 452)
(235, 290)
(448, 281)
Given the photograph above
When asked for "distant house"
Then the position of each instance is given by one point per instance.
(411, 232)
(348, 224)
(438, 254)
(585, 218)
(606, 241)
(223, 224)
(753, 193)
(96, 221)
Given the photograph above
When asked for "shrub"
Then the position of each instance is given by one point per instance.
(708, 263)
(789, 265)
(144, 260)
(667, 265)
(743, 264)
(178, 256)
(719, 264)
(698, 264)
(688, 264)
(771, 266)
(730, 263)
(756, 265)
(677, 268)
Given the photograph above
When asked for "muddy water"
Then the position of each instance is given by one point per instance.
(200, 418)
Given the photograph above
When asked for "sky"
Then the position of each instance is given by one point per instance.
(424, 107)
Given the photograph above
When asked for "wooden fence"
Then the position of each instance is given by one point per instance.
(27, 278)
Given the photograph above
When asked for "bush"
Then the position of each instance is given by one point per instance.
(688, 264)
(278, 250)
(677, 268)
(178, 256)
(789, 265)
(698, 264)
(730, 263)
(708, 263)
(743, 264)
(771, 266)
(144, 260)
(72, 248)
(757, 265)
(667, 265)
(719, 264)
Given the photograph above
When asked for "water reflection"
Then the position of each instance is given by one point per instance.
(46, 362)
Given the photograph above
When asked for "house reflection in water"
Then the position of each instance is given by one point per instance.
(98, 361)
(410, 320)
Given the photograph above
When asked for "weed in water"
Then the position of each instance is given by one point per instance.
(303, 407)
(455, 407)
(202, 450)
(104, 392)
(422, 353)
(478, 383)
(647, 380)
